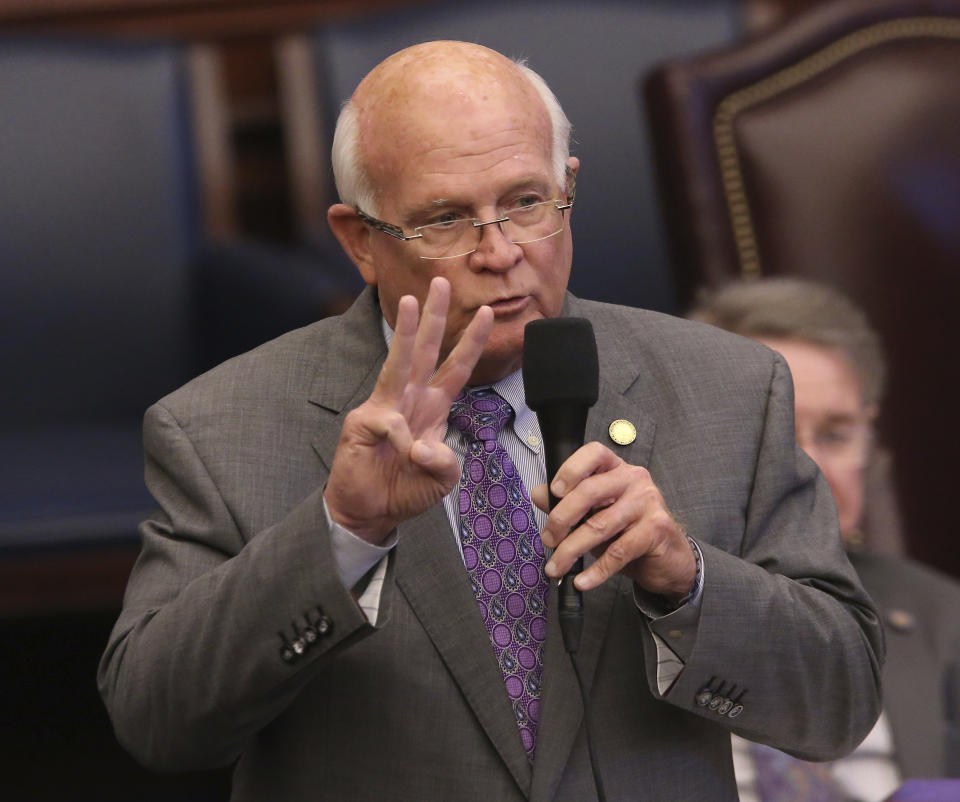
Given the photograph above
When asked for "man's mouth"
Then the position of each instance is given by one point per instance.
(506, 307)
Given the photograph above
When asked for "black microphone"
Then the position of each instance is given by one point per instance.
(561, 378)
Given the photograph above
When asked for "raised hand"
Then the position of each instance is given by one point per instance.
(629, 528)
(391, 462)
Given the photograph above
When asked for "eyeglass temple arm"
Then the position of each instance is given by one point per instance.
(386, 228)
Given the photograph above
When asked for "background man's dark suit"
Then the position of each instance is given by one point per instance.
(239, 556)
(921, 609)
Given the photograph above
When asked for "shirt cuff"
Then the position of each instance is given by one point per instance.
(673, 627)
(655, 606)
(354, 556)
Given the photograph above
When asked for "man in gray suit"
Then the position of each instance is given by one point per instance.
(304, 605)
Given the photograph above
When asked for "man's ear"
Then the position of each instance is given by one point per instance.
(354, 237)
(573, 167)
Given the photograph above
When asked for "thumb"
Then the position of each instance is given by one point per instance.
(437, 460)
(541, 497)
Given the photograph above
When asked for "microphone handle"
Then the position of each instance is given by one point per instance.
(562, 427)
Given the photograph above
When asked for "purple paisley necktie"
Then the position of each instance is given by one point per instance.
(503, 553)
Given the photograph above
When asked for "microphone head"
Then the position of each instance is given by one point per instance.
(560, 363)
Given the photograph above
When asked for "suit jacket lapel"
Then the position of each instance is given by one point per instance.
(431, 576)
(561, 712)
(345, 374)
(429, 571)
(345, 377)
(912, 674)
(912, 687)
(910, 698)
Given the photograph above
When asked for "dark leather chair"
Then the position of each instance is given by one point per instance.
(110, 295)
(590, 54)
(830, 149)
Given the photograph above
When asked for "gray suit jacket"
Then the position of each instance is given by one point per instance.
(921, 610)
(237, 562)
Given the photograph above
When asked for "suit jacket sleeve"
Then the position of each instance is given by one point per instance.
(193, 667)
(785, 627)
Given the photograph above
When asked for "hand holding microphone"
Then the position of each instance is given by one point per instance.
(597, 501)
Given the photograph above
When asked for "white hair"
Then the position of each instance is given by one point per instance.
(354, 185)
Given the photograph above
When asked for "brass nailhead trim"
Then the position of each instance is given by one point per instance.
(730, 171)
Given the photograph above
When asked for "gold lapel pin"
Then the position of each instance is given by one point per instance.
(901, 620)
(622, 432)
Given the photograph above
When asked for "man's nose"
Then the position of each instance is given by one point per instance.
(495, 251)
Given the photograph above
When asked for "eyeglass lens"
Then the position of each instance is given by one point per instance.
(521, 225)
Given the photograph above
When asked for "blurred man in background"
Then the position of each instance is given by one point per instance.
(838, 374)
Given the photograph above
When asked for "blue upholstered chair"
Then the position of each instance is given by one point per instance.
(109, 296)
(98, 233)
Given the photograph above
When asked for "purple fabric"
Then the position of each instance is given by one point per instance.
(503, 554)
(933, 790)
(782, 778)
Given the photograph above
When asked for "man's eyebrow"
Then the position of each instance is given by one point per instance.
(540, 182)
(415, 213)
(841, 418)
(530, 182)
(428, 206)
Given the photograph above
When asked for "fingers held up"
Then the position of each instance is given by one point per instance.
(391, 462)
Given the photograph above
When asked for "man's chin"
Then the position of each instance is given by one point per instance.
(503, 353)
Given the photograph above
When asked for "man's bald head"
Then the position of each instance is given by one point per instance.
(385, 119)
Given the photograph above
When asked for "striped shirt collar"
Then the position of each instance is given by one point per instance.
(510, 388)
